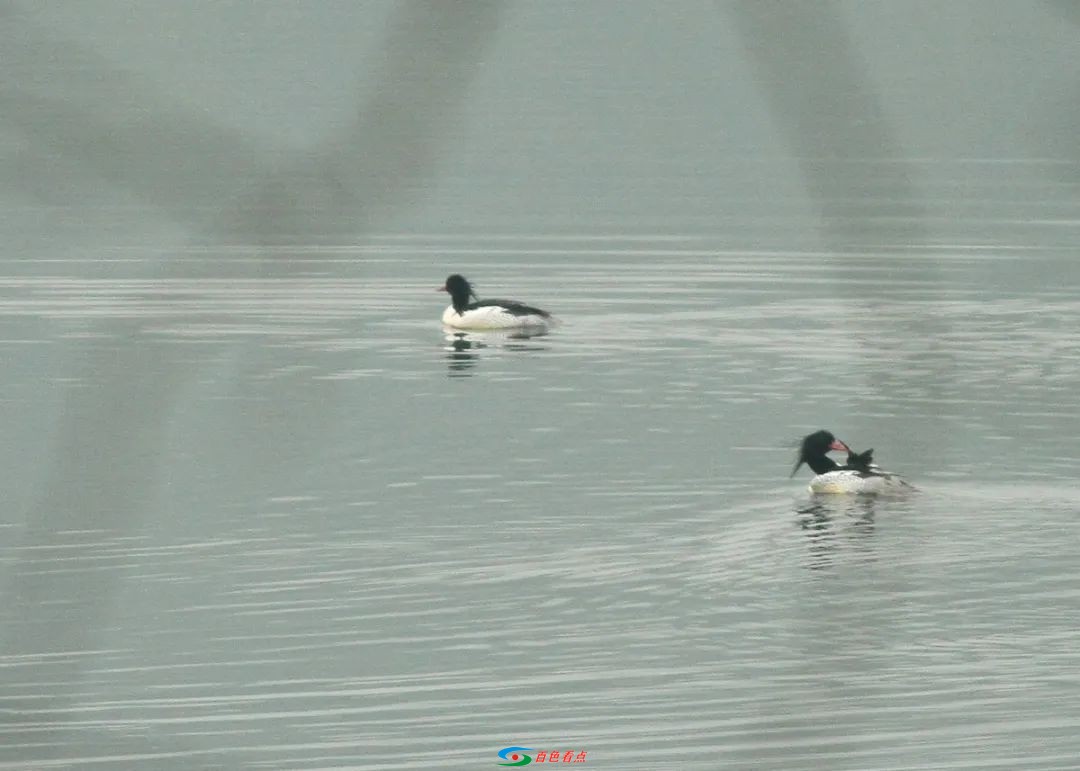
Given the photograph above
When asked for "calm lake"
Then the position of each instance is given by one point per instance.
(262, 511)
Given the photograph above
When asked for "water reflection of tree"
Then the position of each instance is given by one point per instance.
(857, 174)
(83, 123)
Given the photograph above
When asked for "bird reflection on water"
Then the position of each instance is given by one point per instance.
(463, 348)
(833, 521)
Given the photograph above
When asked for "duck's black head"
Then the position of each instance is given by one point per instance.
(460, 290)
(814, 452)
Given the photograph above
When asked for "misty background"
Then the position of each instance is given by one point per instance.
(222, 225)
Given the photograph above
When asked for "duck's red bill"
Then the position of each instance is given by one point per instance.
(839, 446)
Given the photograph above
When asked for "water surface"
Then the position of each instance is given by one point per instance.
(261, 511)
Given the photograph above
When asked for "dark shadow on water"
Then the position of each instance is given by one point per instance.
(833, 121)
(463, 347)
(89, 129)
(1054, 135)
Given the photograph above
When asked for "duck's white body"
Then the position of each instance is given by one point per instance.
(857, 482)
(858, 476)
(467, 311)
(493, 317)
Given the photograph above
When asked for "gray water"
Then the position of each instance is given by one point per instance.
(261, 511)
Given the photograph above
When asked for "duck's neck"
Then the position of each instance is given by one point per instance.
(460, 299)
(822, 464)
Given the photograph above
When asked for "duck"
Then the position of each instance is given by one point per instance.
(467, 311)
(859, 475)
